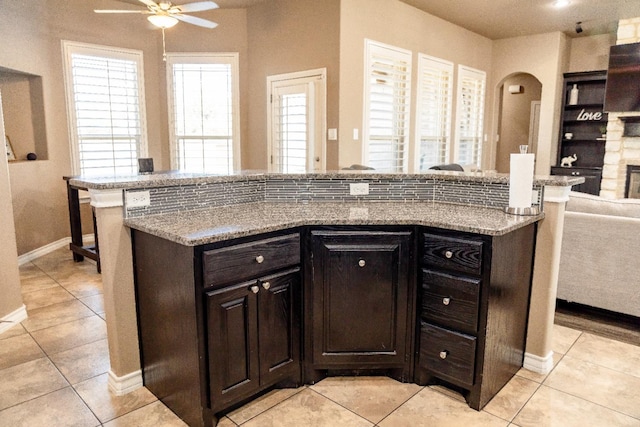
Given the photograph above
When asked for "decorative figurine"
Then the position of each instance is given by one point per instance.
(567, 162)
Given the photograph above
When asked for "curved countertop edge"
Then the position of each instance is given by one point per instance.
(175, 178)
(212, 225)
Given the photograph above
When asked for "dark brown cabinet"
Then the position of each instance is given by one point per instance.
(253, 330)
(473, 310)
(360, 294)
(583, 128)
(219, 323)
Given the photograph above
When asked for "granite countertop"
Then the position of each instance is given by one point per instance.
(223, 223)
(174, 178)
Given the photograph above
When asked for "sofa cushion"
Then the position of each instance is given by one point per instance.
(588, 203)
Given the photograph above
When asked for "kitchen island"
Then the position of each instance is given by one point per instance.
(189, 216)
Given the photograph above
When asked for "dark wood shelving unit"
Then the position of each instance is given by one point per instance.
(584, 121)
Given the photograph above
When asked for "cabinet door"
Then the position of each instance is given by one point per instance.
(233, 343)
(360, 298)
(592, 178)
(279, 326)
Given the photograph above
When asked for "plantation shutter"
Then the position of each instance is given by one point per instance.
(435, 93)
(388, 94)
(202, 111)
(106, 111)
(470, 115)
(290, 124)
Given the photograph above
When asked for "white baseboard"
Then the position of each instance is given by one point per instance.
(126, 383)
(537, 364)
(13, 318)
(46, 249)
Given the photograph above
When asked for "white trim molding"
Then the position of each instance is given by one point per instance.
(537, 364)
(106, 198)
(126, 383)
(48, 248)
(13, 318)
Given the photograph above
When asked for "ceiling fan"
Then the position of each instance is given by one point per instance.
(165, 14)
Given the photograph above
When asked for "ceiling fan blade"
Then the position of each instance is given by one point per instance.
(198, 6)
(149, 3)
(195, 21)
(120, 11)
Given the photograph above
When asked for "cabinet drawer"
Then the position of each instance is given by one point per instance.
(452, 253)
(240, 262)
(450, 301)
(447, 354)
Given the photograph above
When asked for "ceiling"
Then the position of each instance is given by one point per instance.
(498, 19)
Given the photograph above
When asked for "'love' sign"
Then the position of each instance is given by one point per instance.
(586, 116)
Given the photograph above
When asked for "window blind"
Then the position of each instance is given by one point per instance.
(202, 108)
(470, 115)
(435, 93)
(290, 126)
(388, 94)
(107, 104)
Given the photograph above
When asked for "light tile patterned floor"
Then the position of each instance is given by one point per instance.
(53, 372)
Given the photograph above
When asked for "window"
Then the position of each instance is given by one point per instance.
(386, 117)
(469, 116)
(203, 97)
(105, 101)
(434, 104)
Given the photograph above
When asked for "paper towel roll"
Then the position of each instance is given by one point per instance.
(521, 180)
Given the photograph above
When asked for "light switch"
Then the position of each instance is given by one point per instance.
(333, 134)
(356, 134)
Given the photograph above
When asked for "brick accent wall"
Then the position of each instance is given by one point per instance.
(620, 151)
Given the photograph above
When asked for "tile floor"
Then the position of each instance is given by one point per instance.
(53, 372)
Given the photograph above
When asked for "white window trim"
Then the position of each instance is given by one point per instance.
(69, 48)
(369, 45)
(231, 58)
(480, 75)
(442, 64)
(311, 77)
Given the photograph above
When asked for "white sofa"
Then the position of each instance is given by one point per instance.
(600, 257)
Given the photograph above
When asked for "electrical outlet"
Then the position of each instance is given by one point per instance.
(138, 199)
(359, 189)
(534, 197)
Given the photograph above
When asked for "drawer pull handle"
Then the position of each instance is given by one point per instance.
(255, 289)
(448, 254)
(361, 263)
(444, 354)
(259, 259)
(446, 300)
(266, 285)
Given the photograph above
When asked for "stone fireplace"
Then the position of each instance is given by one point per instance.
(623, 133)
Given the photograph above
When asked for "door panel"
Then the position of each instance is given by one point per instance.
(233, 343)
(279, 326)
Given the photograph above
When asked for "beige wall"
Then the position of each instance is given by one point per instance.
(590, 53)
(515, 118)
(398, 24)
(286, 36)
(9, 278)
(545, 56)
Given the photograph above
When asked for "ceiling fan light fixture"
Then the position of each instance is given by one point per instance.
(561, 3)
(162, 21)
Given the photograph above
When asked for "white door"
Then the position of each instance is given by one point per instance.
(296, 122)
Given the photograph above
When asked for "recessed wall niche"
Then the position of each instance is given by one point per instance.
(23, 108)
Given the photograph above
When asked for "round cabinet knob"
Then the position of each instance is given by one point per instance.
(266, 285)
(448, 254)
(259, 259)
(446, 300)
(255, 289)
(361, 263)
(444, 354)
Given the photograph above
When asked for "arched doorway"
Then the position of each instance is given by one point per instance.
(518, 117)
